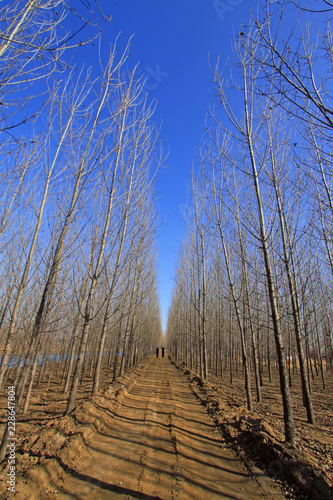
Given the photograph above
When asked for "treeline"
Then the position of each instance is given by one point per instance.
(79, 159)
(254, 276)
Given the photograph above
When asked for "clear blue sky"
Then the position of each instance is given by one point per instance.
(173, 41)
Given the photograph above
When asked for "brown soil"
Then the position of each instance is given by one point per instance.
(305, 472)
(144, 437)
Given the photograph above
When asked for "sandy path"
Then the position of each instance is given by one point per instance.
(156, 442)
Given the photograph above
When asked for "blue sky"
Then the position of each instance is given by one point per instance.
(173, 41)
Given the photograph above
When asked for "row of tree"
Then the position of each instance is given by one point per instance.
(78, 271)
(256, 266)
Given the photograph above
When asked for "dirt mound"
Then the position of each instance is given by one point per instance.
(58, 444)
(257, 440)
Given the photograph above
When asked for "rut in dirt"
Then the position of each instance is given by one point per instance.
(154, 441)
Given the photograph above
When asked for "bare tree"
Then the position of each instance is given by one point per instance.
(50, 170)
(247, 133)
(33, 45)
(130, 133)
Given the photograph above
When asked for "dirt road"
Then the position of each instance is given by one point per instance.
(154, 440)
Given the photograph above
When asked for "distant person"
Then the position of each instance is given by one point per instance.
(157, 351)
(162, 352)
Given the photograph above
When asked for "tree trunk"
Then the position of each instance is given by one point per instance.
(31, 382)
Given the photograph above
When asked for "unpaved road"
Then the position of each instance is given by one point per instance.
(155, 441)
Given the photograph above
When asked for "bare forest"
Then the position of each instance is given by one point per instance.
(254, 279)
(251, 315)
(77, 209)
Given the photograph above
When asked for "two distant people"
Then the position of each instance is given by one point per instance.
(158, 350)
